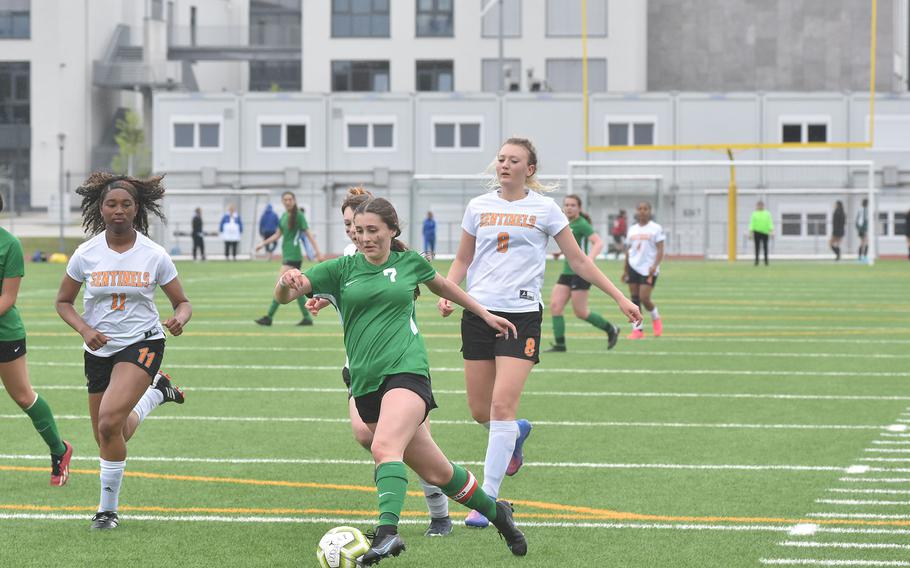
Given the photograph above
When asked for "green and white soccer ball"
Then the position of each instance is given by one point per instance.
(341, 547)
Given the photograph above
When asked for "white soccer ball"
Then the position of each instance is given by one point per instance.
(341, 547)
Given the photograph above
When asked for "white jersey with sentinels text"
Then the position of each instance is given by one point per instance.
(511, 251)
(119, 297)
(642, 242)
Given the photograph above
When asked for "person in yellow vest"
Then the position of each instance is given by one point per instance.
(761, 227)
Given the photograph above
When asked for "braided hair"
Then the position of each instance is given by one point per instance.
(147, 194)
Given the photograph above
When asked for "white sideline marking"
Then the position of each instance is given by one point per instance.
(872, 491)
(891, 442)
(803, 529)
(859, 502)
(816, 562)
(611, 394)
(895, 435)
(858, 469)
(869, 545)
(888, 450)
(856, 516)
(891, 460)
(876, 480)
(561, 371)
(588, 465)
(179, 418)
(897, 428)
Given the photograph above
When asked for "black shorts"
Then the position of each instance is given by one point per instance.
(574, 282)
(479, 341)
(145, 354)
(346, 377)
(368, 405)
(292, 263)
(11, 350)
(636, 278)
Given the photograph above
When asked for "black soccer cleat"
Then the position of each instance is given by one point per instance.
(264, 320)
(514, 538)
(105, 520)
(306, 321)
(439, 527)
(556, 348)
(612, 336)
(383, 546)
(162, 383)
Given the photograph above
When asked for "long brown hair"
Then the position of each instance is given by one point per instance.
(386, 211)
(292, 215)
(147, 194)
(581, 211)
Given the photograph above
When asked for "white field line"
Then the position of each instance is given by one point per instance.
(891, 442)
(888, 460)
(561, 371)
(821, 562)
(560, 465)
(844, 545)
(876, 479)
(888, 450)
(896, 435)
(613, 354)
(857, 516)
(607, 394)
(862, 502)
(871, 491)
(266, 419)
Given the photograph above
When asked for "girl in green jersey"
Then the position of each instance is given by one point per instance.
(13, 366)
(390, 378)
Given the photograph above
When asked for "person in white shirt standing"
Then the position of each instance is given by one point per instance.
(503, 253)
(230, 229)
(121, 329)
(644, 253)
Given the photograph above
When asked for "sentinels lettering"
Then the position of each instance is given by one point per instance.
(507, 219)
(131, 278)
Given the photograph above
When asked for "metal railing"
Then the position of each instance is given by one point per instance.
(262, 35)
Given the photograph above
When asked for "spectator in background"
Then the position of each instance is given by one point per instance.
(198, 242)
(862, 227)
(618, 231)
(230, 229)
(268, 226)
(838, 224)
(429, 235)
(760, 228)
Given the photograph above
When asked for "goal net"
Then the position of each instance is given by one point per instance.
(696, 198)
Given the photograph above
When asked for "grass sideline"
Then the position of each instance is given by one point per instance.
(777, 397)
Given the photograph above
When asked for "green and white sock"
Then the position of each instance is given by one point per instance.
(392, 486)
(463, 488)
(43, 420)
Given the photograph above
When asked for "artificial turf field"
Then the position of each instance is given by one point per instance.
(778, 399)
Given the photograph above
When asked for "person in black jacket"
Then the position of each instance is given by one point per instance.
(198, 242)
(838, 222)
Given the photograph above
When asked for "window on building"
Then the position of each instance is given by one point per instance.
(196, 134)
(370, 134)
(360, 18)
(796, 130)
(435, 18)
(360, 76)
(279, 133)
(817, 224)
(510, 72)
(15, 19)
(435, 76)
(630, 131)
(275, 76)
(456, 133)
(511, 24)
(15, 106)
(791, 224)
(565, 75)
(564, 18)
(900, 223)
(883, 224)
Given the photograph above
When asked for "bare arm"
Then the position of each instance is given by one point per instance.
(9, 293)
(459, 269)
(270, 240)
(446, 289)
(291, 285)
(183, 311)
(597, 246)
(69, 289)
(660, 256)
(585, 267)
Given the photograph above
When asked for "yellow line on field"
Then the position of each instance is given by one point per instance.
(563, 511)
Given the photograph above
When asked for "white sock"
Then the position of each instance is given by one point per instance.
(501, 444)
(111, 477)
(149, 402)
(654, 314)
(437, 502)
(639, 326)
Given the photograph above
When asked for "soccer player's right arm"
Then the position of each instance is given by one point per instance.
(69, 289)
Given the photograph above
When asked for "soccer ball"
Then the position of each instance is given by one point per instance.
(341, 547)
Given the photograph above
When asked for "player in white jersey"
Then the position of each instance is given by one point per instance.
(503, 252)
(644, 253)
(437, 502)
(121, 329)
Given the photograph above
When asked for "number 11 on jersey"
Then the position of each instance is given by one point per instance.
(118, 302)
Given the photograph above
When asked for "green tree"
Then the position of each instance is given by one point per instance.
(133, 157)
